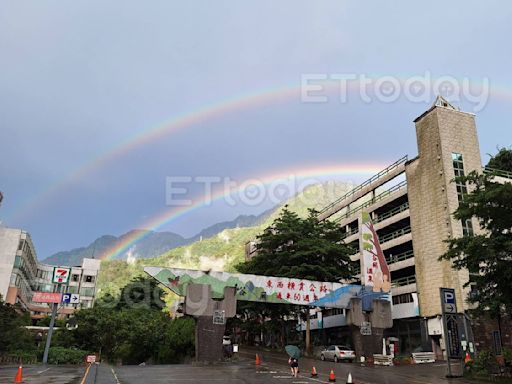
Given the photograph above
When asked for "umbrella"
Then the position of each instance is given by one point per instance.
(293, 351)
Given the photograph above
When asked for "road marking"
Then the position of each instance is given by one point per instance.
(86, 373)
(115, 376)
(43, 371)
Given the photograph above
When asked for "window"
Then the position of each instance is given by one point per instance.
(89, 279)
(18, 262)
(87, 291)
(75, 277)
(403, 299)
(462, 190)
(467, 228)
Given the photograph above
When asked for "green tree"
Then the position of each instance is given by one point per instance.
(487, 256)
(142, 292)
(13, 336)
(301, 248)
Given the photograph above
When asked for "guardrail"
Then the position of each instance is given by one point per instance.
(403, 281)
(391, 213)
(498, 172)
(352, 192)
(394, 235)
(370, 202)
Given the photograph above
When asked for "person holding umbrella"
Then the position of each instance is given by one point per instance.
(294, 353)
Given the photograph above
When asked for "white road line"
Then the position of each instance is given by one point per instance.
(115, 376)
(43, 371)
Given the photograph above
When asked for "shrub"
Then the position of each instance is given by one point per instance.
(60, 355)
(483, 362)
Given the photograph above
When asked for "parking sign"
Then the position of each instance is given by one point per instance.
(448, 300)
(70, 298)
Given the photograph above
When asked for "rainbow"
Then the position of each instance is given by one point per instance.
(183, 121)
(173, 214)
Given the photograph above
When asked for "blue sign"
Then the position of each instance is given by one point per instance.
(70, 298)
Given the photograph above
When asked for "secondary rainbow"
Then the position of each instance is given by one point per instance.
(172, 214)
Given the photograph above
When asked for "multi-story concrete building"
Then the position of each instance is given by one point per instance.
(411, 203)
(21, 274)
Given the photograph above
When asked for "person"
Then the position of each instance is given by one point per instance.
(294, 366)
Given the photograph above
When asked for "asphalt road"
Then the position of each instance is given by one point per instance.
(39, 374)
(274, 369)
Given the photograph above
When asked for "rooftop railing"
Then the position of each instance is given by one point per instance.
(395, 188)
(352, 192)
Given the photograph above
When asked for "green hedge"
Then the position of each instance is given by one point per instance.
(60, 355)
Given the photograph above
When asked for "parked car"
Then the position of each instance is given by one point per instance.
(337, 353)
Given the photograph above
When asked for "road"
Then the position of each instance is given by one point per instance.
(39, 374)
(274, 369)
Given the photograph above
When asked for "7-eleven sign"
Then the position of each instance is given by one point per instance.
(61, 275)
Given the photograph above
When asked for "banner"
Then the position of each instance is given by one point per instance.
(266, 289)
(374, 269)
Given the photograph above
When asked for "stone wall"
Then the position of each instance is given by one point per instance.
(433, 198)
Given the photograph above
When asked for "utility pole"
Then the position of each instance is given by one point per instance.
(50, 333)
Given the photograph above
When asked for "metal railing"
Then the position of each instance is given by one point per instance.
(349, 233)
(391, 213)
(352, 192)
(390, 259)
(370, 202)
(403, 281)
(400, 257)
(394, 235)
(498, 172)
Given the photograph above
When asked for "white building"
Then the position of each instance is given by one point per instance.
(21, 274)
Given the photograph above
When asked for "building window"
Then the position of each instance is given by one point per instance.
(87, 291)
(18, 261)
(75, 278)
(402, 299)
(89, 279)
(462, 190)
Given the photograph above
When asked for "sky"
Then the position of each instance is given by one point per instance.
(111, 110)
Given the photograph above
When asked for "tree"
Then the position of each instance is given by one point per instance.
(302, 249)
(299, 248)
(13, 337)
(487, 256)
(142, 292)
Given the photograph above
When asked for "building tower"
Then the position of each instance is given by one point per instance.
(447, 147)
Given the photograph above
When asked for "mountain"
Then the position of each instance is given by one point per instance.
(223, 250)
(151, 245)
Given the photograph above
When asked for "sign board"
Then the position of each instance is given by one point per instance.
(453, 345)
(448, 300)
(61, 275)
(219, 317)
(90, 359)
(267, 289)
(46, 297)
(374, 268)
(70, 298)
(366, 328)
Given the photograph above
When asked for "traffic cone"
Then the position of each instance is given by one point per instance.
(313, 372)
(258, 360)
(467, 359)
(349, 379)
(19, 375)
(332, 377)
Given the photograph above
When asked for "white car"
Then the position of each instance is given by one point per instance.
(337, 353)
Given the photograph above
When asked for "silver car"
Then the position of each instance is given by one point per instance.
(337, 353)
